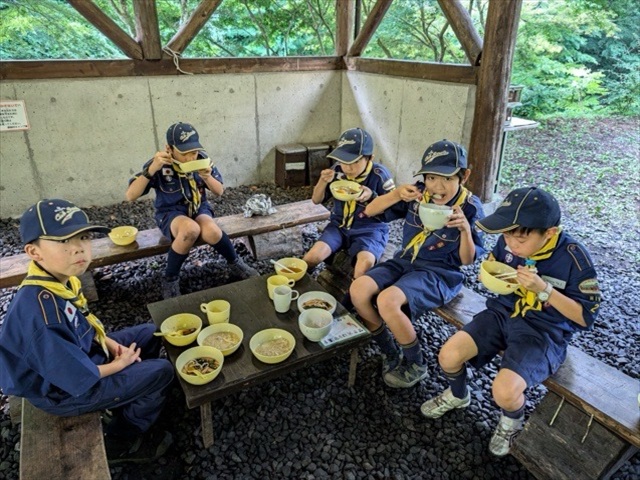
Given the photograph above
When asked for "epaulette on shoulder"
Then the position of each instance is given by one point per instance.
(49, 307)
(580, 256)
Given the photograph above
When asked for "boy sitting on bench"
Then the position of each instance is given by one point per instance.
(558, 295)
(55, 353)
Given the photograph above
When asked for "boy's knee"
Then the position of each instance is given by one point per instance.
(505, 392)
(388, 301)
(449, 358)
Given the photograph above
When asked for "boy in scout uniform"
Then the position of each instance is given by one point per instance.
(558, 296)
(363, 237)
(55, 353)
(425, 272)
(183, 212)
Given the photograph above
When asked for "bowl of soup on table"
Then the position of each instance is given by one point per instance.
(317, 300)
(295, 268)
(315, 323)
(123, 235)
(502, 286)
(272, 345)
(199, 365)
(345, 190)
(181, 329)
(226, 337)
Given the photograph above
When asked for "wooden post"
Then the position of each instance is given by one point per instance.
(462, 26)
(373, 20)
(147, 30)
(345, 23)
(108, 27)
(190, 29)
(491, 94)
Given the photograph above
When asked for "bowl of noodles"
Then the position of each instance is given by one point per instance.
(502, 286)
(181, 329)
(317, 299)
(199, 365)
(226, 337)
(272, 345)
(345, 190)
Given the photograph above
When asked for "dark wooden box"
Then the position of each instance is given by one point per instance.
(291, 165)
(317, 160)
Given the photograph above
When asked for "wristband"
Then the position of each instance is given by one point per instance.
(145, 173)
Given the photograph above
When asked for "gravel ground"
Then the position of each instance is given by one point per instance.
(310, 424)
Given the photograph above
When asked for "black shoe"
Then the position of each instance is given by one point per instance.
(144, 448)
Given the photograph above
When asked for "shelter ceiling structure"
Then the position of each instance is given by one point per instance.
(489, 61)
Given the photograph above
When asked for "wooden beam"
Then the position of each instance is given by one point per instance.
(190, 29)
(42, 69)
(108, 27)
(345, 23)
(491, 95)
(462, 25)
(147, 30)
(373, 20)
(442, 72)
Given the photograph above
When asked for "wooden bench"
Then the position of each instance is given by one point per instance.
(60, 448)
(588, 424)
(151, 242)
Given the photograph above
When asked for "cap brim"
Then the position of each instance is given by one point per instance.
(496, 223)
(444, 171)
(74, 230)
(344, 157)
(189, 147)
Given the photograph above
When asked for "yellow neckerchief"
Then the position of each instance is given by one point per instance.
(529, 300)
(417, 241)
(349, 208)
(37, 276)
(194, 202)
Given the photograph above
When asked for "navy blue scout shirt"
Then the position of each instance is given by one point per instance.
(45, 346)
(571, 272)
(172, 188)
(442, 246)
(379, 181)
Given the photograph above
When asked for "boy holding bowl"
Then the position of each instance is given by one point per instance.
(558, 296)
(425, 272)
(363, 237)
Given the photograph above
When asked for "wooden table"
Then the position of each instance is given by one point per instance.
(252, 310)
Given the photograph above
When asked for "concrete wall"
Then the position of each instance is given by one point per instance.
(88, 136)
(405, 115)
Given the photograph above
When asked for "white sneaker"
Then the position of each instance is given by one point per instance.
(504, 434)
(438, 406)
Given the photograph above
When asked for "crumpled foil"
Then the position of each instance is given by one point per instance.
(258, 204)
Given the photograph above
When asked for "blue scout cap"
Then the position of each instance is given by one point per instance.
(528, 207)
(352, 146)
(183, 137)
(443, 158)
(55, 220)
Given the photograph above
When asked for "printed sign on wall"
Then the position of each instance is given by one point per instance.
(13, 116)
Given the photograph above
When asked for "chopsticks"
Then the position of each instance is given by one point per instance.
(503, 276)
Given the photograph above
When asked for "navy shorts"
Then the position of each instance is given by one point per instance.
(531, 353)
(424, 288)
(354, 240)
(164, 219)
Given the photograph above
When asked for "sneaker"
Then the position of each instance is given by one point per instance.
(391, 362)
(438, 406)
(170, 288)
(241, 270)
(504, 434)
(144, 448)
(405, 376)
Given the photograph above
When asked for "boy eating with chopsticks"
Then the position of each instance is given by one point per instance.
(558, 295)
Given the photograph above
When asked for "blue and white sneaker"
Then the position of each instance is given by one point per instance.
(405, 375)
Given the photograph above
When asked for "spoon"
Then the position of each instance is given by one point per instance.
(175, 333)
(281, 266)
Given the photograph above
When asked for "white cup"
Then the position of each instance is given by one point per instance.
(282, 297)
(274, 281)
